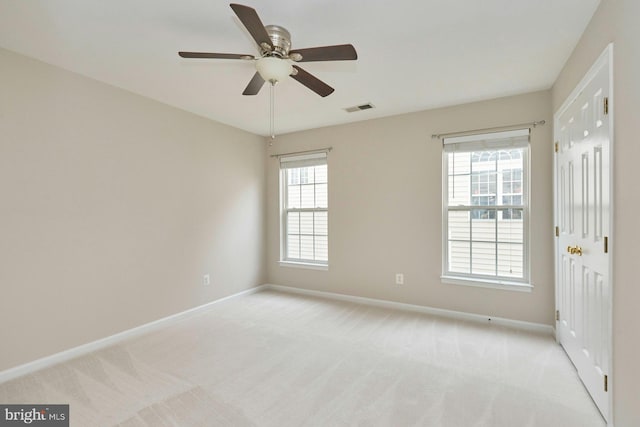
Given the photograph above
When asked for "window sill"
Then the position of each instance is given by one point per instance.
(307, 265)
(502, 285)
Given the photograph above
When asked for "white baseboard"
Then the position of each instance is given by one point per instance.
(83, 349)
(518, 324)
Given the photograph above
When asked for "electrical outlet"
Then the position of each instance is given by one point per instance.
(206, 280)
(399, 279)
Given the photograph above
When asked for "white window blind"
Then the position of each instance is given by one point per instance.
(303, 160)
(487, 141)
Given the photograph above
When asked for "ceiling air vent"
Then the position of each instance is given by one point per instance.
(366, 106)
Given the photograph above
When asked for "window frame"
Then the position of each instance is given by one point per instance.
(304, 160)
(474, 279)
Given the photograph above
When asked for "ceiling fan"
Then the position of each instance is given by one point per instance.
(276, 60)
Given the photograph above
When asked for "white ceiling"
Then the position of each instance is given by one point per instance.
(413, 54)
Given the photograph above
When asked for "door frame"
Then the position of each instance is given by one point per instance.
(606, 58)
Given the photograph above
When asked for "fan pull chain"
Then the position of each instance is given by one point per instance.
(272, 96)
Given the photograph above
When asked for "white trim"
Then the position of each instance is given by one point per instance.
(491, 284)
(83, 349)
(459, 315)
(612, 233)
(310, 266)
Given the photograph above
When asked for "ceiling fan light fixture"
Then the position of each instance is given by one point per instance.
(273, 70)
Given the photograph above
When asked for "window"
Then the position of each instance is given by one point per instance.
(486, 208)
(304, 197)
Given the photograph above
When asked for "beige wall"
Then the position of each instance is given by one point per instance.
(112, 206)
(617, 21)
(385, 209)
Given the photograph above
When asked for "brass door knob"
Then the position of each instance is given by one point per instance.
(574, 250)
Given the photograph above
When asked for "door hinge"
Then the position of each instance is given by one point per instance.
(556, 146)
(606, 105)
(606, 244)
(557, 314)
(557, 231)
(606, 383)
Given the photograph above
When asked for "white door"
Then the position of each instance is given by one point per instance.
(583, 203)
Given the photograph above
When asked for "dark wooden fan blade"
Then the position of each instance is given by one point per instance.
(342, 52)
(254, 85)
(312, 82)
(250, 19)
(214, 55)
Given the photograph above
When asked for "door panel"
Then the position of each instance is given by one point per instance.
(582, 210)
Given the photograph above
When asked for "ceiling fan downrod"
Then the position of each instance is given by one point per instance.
(272, 97)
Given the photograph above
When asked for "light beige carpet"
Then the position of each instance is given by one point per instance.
(276, 359)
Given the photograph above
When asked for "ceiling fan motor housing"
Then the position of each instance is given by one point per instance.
(280, 39)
